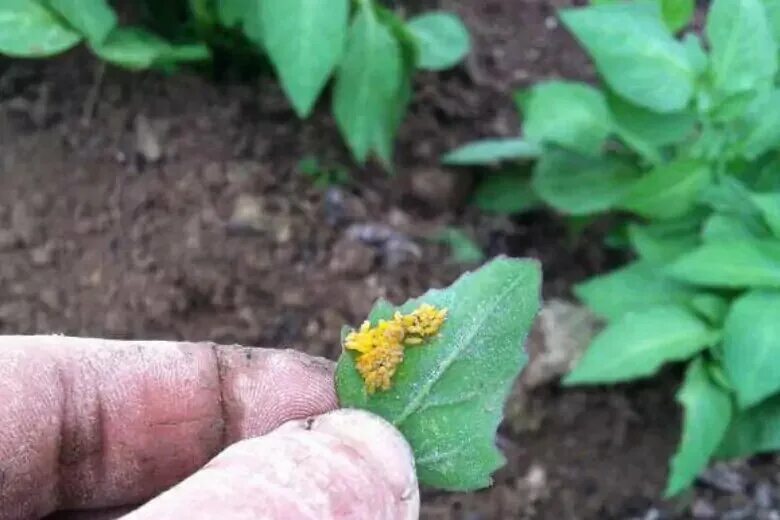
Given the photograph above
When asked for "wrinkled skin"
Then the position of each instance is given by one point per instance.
(98, 425)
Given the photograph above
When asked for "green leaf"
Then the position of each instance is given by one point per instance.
(762, 123)
(707, 416)
(183, 53)
(394, 111)
(447, 395)
(731, 198)
(232, 13)
(304, 40)
(668, 191)
(635, 53)
(135, 48)
(578, 184)
(631, 288)
(726, 109)
(677, 13)
(645, 130)
(92, 18)
(639, 343)
(132, 48)
(572, 115)
(743, 51)
(696, 54)
(773, 15)
(766, 175)
(732, 264)
(442, 39)
(754, 430)
(710, 307)
(769, 205)
(724, 228)
(28, 30)
(463, 249)
(655, 243)
(384, 138)
(521, 97)
(491, 151)
(368, 84)
(505, 192)
(253, 22)
(751, 346)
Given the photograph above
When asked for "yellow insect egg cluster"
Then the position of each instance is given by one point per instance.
(380, 348)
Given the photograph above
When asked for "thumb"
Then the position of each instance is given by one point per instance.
(347, 464)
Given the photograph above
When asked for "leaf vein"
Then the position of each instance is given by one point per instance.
(416, 401)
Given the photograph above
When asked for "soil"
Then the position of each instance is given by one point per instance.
(143, 206)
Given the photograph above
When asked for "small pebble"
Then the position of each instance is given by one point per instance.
(352, 257)
(703, 509)
(147, 142)
(763, 495)
(441, 189)
(724, 478)
(7, 240)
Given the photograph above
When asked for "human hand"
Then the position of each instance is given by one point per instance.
(92, 424)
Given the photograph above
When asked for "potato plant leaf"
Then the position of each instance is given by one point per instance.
(631, 288)
(751, 346)
(639, 343)
(304, 39)
(232, 13)
(368, 83)
(732, 263)
(645, 130)
(29, 30)
(95, 19)
(571, 115)
(724, 228)
(769, 206)
(773, 15)
(463, 249)
(659, 243)
(707, 414)
(754, 430)
(711, 307)
(635, 53)
(394, 109)
(132, 48)
(677, 13)
(668, 191)
(135, 48)
(442, 40)
(762, 122)
(578, 184)
(696, 54)
(507, 191)
(743, 49)
(491, 151)
(448, 394)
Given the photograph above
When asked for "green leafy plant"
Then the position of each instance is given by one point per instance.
(463, 249)
(683, 138)
(323, 176)
(460, 350)
(369, 50)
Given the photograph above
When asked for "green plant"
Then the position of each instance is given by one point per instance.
(323, 176)
(683, 137)
(463, 249)
(369, 50)
(439, 368)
